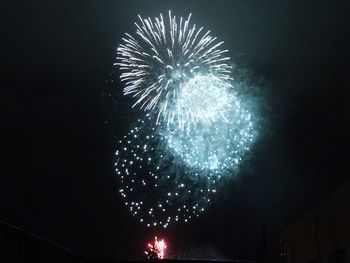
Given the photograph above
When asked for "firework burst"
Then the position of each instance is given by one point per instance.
(156, 250)
(164, 59)
(197, 128)
(155, 185)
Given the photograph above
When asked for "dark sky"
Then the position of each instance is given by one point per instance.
(63, 110)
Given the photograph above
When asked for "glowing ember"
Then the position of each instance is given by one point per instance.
(156, 250)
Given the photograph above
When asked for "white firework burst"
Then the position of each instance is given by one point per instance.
(160, 63)
(155, 185)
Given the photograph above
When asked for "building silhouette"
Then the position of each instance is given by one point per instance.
(322, 235)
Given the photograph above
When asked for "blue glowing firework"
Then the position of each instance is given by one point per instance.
(217, 146)
(197, 129)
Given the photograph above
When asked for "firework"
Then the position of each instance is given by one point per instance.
(214, 147)
(156, 250)
(197, 128)
(156, 186)
(168, 175)
(164, 62)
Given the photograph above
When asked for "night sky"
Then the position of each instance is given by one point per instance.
(63, 111)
